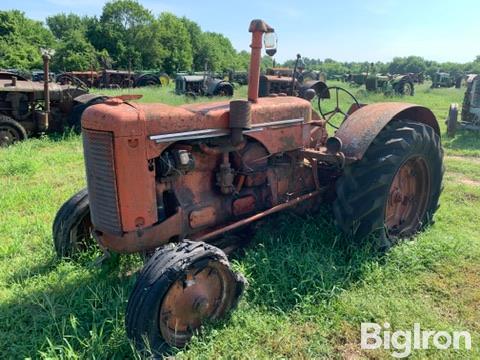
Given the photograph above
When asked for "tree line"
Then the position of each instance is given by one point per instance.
(128, 36)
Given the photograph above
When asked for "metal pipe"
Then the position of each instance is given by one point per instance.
(46, 77)
(254, 73)
(258, 216)
(292, 92)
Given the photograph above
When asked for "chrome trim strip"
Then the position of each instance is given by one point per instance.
(208, 133)
(280, 122)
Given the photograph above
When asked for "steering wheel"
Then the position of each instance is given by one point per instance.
(328, 116)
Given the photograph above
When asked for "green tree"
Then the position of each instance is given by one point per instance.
(216, 51)
(119, 29)
(62, 24)
(195, 33)
(242, 61)
(75, 53)
(21, 39)
(171, 33)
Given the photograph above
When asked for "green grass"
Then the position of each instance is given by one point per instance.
(309, 288)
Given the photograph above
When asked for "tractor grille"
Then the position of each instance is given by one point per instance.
(102, 188)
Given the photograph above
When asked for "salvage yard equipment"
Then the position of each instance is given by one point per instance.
(388, 84)
(202, 85)
(286, 81)
(158, 175)
(30, 107)
(446, 80)
(470, 117)
(113, 79)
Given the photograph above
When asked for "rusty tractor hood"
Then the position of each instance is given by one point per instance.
(57, 92)
(134, 119)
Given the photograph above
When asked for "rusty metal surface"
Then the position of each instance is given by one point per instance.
(101, 180)
(408, 197)
(204, 292)
(360, 128)
(222, 182)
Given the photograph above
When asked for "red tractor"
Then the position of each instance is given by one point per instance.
(158, 175)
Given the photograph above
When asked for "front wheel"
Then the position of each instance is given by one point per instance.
(180, 288)
(11, 131)
(394, 189)
(72, 226)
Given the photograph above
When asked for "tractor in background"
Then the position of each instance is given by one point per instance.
(29, 107)
(470, 115)
(202, 85)
(390, 84)
(113, 79)
(285, 81)
(169, 181)
(446, 80)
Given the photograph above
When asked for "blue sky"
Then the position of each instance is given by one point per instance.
(348, 30)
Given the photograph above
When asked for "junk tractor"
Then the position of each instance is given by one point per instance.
(202, 85)
(389, 84)
(470, 116)
(113, 79)
(286, 81)
(170, 181)
(446, 80)
(31, 107)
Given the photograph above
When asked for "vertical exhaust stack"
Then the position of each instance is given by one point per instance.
(43, 122)
(257, 28)
(46, 76)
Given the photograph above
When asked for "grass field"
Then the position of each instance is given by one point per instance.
(309, 289)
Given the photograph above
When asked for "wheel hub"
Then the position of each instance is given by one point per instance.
(203, 293)
(408, 196)
(7, 136)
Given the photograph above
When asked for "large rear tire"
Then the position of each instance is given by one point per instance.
(72, 226)
(394, 190)
(181, 286)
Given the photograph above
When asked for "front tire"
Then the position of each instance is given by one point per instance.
(11, 131)
(72, 226)
(394, 189)
(180, 287)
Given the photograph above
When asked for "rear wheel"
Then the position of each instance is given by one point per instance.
(180, 288)
(72, 226)
(224, 90)
(394, 190)
(405, 88)
(11, 131)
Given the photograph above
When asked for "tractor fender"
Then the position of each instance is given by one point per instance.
(321, 89)
(360, 128)
(214, 85)
(86, 98)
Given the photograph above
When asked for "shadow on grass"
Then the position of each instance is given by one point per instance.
(62, 309)
(302, 260)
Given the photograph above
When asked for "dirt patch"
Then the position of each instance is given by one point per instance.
(461, 178)
(473, 159)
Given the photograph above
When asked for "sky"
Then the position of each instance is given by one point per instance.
(347, 30)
